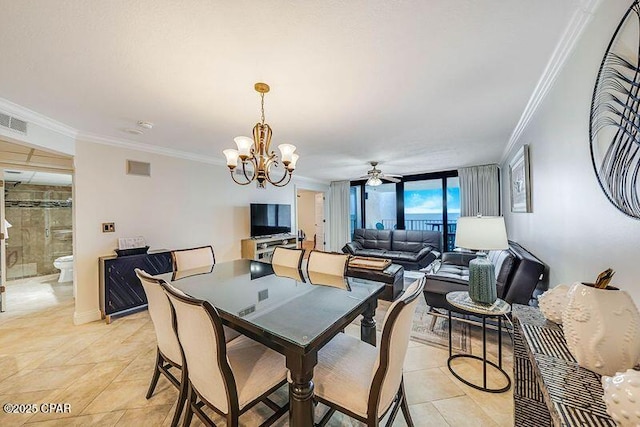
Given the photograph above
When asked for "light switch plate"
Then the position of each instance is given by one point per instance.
(108, 227)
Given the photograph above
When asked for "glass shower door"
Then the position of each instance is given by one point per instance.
(3, 261)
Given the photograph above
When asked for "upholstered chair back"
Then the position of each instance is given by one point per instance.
(396, 330)
(285, 257)
(187, 259)
(160, 312)
(201, 336)
(326, 268)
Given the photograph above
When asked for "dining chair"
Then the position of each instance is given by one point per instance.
(287, 263)
(168, 353)
(327, 268)
(372, 376)
(187, 259)
(229, 378)
(287, 257)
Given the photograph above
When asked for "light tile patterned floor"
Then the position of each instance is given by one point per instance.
(103, 371)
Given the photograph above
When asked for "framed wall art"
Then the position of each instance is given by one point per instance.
(615, 113)
(519, 181)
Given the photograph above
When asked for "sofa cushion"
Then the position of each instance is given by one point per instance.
(503, 262)
(414, 241)
(401, 256)
(378, 253)
(373, 239)
(453, 271)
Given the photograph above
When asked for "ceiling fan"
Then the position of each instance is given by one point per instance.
(375, 176)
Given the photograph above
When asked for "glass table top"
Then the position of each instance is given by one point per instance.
(288, 306)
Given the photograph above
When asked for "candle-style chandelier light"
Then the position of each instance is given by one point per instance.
(256, 153)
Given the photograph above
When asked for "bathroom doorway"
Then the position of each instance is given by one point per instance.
(38, 239)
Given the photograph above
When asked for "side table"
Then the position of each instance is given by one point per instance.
(461, 300)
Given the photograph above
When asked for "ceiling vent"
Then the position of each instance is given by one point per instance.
(13, 123)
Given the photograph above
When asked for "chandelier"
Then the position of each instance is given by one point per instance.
(255, 152)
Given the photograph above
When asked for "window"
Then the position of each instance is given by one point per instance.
(453, 210)
(355, 208)
(380, 207)
(419, 202)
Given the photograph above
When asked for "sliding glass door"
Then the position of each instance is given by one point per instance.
(380, 207)
(419, 202)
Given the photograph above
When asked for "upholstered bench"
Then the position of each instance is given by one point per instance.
(393, 276)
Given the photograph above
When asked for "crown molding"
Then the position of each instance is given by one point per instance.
(153, 149)
(41, 120)
(305, 179)
(148, 148)
(579, 20)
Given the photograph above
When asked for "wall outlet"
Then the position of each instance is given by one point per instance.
(108, 227)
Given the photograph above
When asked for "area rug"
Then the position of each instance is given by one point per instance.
(422, 330)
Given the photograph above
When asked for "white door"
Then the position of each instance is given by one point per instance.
(319, 218)
(3, 261)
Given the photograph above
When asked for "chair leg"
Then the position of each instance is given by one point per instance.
(405, 406)
(182, 397)
(156, 375)
(188, 415)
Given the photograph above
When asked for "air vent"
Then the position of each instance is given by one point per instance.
(138, 168)
(12, 123)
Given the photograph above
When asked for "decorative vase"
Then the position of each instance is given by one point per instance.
(553, 303)
(622, 396)
(602, 328)
(482, 280)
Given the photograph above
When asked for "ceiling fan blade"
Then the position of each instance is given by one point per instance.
(389, 178)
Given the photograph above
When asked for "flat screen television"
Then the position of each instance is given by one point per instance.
(268, 219)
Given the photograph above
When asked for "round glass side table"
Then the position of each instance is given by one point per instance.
(498, 309)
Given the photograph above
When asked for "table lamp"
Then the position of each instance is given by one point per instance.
(482, 233)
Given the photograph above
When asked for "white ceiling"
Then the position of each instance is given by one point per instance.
(40, 178)
(417, 85)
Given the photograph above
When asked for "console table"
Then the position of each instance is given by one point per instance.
(550, 388)
(120, 290)
(261, 248)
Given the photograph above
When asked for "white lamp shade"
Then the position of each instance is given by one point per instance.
(481, 233)
(287, 152)
(244, 144)
(374, 181)
(294, 159)
(232, 157)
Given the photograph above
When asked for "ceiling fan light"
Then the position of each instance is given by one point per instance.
(374, 181)
(244, 144)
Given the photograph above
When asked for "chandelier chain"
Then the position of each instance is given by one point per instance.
(262, 108)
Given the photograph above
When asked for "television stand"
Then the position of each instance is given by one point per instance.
(261, 248)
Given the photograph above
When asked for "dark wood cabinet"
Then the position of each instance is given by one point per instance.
(120, 290)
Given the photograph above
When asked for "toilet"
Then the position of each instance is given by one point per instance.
(65, 265)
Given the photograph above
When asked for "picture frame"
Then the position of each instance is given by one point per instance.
(520, 182)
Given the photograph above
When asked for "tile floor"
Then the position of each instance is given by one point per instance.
(103, 371)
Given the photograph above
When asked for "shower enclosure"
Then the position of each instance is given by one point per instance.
(40, 229)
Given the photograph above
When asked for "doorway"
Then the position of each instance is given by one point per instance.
(36, 203)
(38, 239)
(311, 220)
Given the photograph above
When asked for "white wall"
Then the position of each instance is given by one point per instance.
(183, 204)
(573, 228)
(307, 213)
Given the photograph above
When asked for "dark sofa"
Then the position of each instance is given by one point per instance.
(517, 274)
(411, 249)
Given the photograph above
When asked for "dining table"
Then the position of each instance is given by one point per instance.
(285, 312)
